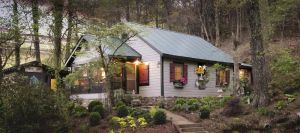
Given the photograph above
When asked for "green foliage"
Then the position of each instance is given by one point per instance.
(83, 128)
(94, 118)
(92, 104)
(120, 103)
(218, 66)
(285, 70)
(280, 105)
(159, 117)
(100, 109)
(193, 104)
(80, 111)
(290, 98)
(204, 113)
(153, 110)
(180, 101)
(265, 112)
(119, 124)
(122, 111)
(213, 103)
(26, 107)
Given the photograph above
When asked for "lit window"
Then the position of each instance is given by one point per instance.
(178, 71)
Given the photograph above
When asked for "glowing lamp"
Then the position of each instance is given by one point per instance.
(137, 62)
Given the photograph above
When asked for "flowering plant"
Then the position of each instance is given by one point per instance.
(183, 81)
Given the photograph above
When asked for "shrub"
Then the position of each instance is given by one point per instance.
(290, 98)
(147, 117)
(80, 111)
(122, 111)
(114, 122)
(153, 110)
(280, 105)
(120, 103)
(83, 128)
(159, 117)
(94, 118)
(180, 101)
(204, 113)
(193, 104)
(92, 104)
(232, 107)
(99, 109)
(27, 107)
(265, 112)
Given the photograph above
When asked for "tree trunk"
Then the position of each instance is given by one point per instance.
(35, 27)
(127, 10)
(217, 44)
(70, 29)
(138, 10)
(236, 79)
(16, 32)
(156, 14)
(259, 70)
(57, 32)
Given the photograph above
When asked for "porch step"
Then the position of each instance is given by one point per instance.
(197, 132)
(189, 125)
(192, 129)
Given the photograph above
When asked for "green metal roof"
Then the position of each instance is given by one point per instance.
(113, 44)
(179, 44)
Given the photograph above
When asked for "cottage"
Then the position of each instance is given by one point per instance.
(160, 62)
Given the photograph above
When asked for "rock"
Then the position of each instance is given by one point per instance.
(136, 102)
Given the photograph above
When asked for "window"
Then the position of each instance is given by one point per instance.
(222, 77)
(143, 74)
(178, 71)
(243, 73)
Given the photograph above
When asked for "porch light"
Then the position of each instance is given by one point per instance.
(137, 62)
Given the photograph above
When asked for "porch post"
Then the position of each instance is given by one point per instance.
(137, 79)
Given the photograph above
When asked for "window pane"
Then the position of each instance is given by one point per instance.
(178, 71)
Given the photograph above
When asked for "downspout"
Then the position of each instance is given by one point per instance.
(162, 75)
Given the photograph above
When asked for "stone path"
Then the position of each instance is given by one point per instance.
(183, 125)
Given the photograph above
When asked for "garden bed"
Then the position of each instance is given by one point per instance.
(277, 117)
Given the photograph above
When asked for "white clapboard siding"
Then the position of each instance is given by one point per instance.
(153, 58)
(190, 90)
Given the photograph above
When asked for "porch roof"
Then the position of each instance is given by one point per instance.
(112, 49)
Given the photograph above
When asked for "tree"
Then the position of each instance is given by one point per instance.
(108, 63)
(17, 34)
(70, 28)
(35, 27)
(259, 70)
(58, 8)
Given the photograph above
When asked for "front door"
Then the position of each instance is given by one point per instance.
(130, 78)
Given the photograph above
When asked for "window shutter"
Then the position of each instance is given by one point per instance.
(143, 75)
(228, 77)
(172, 72)
(185, 73)
(217, 77)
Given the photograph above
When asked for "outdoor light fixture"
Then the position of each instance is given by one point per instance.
(137, 62)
